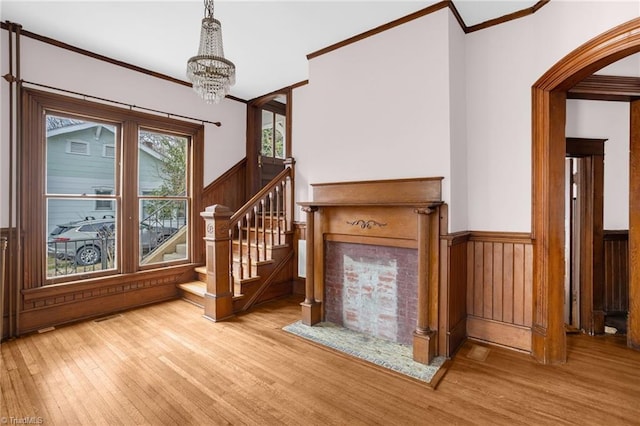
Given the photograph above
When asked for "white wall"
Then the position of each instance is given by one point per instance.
(377, 109)
(503, 62)
(458, 214)
(607, 120)
(60, 68)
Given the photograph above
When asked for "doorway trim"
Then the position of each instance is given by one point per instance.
(549, 94)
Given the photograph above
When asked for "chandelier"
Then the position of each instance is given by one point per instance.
(211, 74)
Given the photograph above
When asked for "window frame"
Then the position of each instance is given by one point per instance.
(32, 184)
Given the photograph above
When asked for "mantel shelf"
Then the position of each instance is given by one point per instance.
(424, 204)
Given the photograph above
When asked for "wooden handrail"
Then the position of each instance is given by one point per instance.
(261, 194)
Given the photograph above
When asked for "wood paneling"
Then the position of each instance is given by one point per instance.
(55, 305)
(616, 271)
(499, 286)
(453, 291)
(229, 189)
(499, 333)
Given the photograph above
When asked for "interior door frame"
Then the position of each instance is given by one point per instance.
(590, 153)
(549, 94)
(254, 135)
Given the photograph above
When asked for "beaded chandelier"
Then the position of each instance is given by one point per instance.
(211, 74)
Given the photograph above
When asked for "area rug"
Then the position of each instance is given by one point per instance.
(394, 356)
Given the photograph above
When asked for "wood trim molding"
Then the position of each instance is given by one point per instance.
(419, 14)
(606, 88)
(549, 95)
(506, 18)
(584, 147)
(501, 237)
(427, 11)
(500, 333)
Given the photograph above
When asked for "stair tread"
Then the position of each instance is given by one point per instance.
(194, 287)
(201, 269)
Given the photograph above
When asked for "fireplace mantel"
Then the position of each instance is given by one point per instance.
(395, 213)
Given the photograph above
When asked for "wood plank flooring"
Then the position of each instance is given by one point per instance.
(165, 364)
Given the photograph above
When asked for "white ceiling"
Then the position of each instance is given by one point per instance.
(267, 40)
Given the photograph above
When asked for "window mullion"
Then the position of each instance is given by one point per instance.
(129, 188)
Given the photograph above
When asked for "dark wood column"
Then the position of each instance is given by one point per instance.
(633, 328)
(548, 339)
(311, 309)
(218, 300)
(424, 339)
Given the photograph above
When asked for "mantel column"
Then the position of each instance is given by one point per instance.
(218, 299)
(311, 309)
(424, 339)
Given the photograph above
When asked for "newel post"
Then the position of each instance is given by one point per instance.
(424, 339)
(311, 309)
(218, 299)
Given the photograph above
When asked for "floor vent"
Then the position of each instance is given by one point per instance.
(478, 353)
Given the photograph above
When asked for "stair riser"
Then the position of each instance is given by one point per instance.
(193, 298)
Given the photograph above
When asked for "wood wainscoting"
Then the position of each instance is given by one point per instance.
(499, 288)
(229, 189)
(616, 272)
(453, 290)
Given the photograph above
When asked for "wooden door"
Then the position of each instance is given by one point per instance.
(269, 142)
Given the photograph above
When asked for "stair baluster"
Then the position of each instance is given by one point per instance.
(249, 256)
(240, 264)
(278, 207)
(264, 228)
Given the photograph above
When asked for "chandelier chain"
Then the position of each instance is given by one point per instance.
(208, 9)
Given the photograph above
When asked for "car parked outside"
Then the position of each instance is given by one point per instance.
(86, 241)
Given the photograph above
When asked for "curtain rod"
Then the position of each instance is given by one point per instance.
(168, 114)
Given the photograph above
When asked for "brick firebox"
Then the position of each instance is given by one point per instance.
(372, 289)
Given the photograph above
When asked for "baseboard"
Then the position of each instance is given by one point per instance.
(501, 333)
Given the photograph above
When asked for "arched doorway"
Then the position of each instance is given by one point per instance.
(549, 95)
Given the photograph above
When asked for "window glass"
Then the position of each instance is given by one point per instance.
(280, 131)
(78, 242)
(162, 187)
(70, 173)
(267, 133)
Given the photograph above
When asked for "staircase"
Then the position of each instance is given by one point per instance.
(258, 250)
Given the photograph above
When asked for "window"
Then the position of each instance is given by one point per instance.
(123, 209)
(109, 151)
(273, 134)
(104, 204)
(76, 147)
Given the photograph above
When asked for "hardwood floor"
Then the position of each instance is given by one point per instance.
(165, 364)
